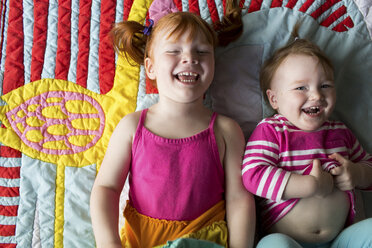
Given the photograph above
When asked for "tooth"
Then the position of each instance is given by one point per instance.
(188, 74)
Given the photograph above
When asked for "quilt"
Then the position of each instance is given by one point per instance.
(63, 90)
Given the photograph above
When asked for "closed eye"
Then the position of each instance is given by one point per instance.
(172, 52)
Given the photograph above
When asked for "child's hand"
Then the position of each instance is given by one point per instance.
(323, 179)
(346, 174)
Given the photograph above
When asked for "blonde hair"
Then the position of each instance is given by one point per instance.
(128, 37)
(298, 46)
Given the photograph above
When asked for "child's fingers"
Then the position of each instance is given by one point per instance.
(317, 164)
(317, 167)
(342, 185)
(337, 157)
(336, 171)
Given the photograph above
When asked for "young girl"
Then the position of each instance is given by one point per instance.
(183, 160)
(303, 166)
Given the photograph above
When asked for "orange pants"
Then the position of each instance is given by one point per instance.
(143, 231)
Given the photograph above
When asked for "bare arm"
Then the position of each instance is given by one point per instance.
(104, 201)
(240, 205)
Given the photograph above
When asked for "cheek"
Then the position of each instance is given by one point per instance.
(211, 71)
(291, 101)
(332, 100)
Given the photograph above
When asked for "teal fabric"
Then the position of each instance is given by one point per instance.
(358, 235)
(191, 243)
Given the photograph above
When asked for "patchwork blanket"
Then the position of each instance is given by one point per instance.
(63, 90)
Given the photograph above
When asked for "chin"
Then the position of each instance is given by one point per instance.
(310, 128)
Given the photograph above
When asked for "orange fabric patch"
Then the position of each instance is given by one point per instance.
(143, 231)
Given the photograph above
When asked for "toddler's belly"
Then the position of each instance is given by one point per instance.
(315, 220)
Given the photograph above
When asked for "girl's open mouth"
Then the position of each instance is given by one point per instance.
(187, 77)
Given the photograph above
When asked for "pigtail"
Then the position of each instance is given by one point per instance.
(295, 32)
(305, 46)
(128, 39)
(231, 26)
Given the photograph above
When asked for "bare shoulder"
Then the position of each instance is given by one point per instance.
(116, 162)
(229, 137)
(124, 131)
(229, 129)
(131, 119)
(128, 124)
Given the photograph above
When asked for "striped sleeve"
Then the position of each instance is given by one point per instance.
(358, 155)
(260, 174)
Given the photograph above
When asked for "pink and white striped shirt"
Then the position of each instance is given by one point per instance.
(277, 148)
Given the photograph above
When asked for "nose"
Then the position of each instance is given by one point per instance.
(189, 57)
(316, 95)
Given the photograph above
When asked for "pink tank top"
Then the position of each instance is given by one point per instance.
(175, 179)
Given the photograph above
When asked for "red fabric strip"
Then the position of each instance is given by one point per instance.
(150, 87)
(127, 6)
(213, 11)
(241, 3)
(276, 3)
(64, 39)
(14, 68)
(306, 5)
(106, 54)
(7, 230)
(8, 210)
(10, 172)
(178, 4)
(8, 245)
(9, 191)
(342, 26)
(323, 8)
(83, 39)
(334, 16)
(194, 6)
(255, 6)
(291, 4)
(40, 36)
(8, 152)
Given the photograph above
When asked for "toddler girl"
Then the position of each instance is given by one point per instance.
(303, 166)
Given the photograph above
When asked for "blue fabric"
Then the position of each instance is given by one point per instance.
(191, 243)
(358, 235)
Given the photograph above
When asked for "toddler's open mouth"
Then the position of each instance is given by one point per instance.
(312, 110)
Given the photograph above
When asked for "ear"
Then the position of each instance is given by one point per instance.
(149, 67)
(271, 95)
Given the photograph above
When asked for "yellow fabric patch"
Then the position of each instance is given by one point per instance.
(62, 123)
